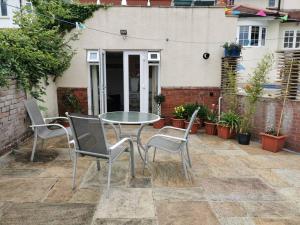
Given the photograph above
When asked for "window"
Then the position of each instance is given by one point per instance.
(272, 3)
(291, 39)
(252, 35)
(230, 2)
(3, 8)
(28, 7)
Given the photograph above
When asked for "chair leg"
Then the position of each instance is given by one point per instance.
(74, 170)
(188, 154)
(132, 160)
(146, 161)
(108, 177)
(184, 165)
(34, 145)
(154, 154)
(43, 142)
(98, 164)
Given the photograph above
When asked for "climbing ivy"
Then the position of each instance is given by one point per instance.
(39, 49)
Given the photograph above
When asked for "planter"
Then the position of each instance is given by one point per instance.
(194, 128)
(210, 128)
(159, 124)
(244, 139)
(178, 123)
(201, 122)
(272, 143)
(232, 52)
(224, 132)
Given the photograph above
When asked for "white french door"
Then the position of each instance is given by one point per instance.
(103, 89)
(136, 81)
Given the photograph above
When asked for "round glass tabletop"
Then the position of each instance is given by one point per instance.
(129, 117)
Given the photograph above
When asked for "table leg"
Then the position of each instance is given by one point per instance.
(139, 142)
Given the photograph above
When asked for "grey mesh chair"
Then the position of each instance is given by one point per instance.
(90, 139)
(41, 128)
(172, 144)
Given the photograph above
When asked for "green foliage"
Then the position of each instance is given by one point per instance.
(271, 131)
(203, 111)
(189, 110)
(212, 116)
(159, 99)
(72, 102)
(179, 112)
(254, 90)
(230, 119)
(38, 49)
(230, 46)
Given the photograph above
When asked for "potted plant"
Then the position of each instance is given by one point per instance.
(178, 119)
(211, 123)
(202, 114)
(159, 99)
(271, 141)
(228, 125)
(189, 110)
(253, 90)
(232, 49)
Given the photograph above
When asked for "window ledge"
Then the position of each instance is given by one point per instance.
(4, 17)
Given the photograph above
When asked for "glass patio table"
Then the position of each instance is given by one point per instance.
(130, 118)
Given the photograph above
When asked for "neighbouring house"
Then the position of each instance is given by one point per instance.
(7, 10)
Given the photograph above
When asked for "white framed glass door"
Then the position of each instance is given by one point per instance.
(136, 81)
(103, 89)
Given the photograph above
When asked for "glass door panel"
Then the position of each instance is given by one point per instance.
(134, 82)
(95, 89)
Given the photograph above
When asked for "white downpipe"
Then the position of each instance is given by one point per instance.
(123, 2)
(220, 100)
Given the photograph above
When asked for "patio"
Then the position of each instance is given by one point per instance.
(231, 185)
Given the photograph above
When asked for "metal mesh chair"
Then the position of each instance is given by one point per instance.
(41, 128)
(172, 144)
(90, 139)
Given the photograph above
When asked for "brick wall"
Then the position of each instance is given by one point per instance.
(180, 95)
(81, 95)
(268, 115)
(14, 121)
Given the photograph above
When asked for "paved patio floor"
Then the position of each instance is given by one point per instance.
(231, 185)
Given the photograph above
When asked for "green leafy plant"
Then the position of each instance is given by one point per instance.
(203, 111)
(38, 50)
(179, 112)
(212, 117)
(71, 102)
(231, 46)
(231, 120)
(159, 99)
(254, 90)
(271, 131)
(189, 110)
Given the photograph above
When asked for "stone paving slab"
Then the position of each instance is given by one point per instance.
(44, 214)
(126, 203)
(179, 194)
(191, 213)
(125, 222)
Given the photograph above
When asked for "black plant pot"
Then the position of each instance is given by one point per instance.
(244, 139)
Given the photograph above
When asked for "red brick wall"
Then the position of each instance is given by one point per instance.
(268, 114)
(180, 95)
(80, 93)
(14, 122)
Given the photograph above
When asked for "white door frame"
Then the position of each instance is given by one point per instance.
(102, 79)
(144, 80)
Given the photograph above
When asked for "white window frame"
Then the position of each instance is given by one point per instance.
(249, 35)
(294, 39)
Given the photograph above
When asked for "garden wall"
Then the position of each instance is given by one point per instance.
(14, 121)
(268, 115)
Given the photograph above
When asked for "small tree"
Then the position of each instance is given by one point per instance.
(254, 90)
(159, 99)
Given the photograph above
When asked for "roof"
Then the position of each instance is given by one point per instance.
(250, 11)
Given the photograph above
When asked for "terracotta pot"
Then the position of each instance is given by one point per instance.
(159, 124)
(178, 123)
(272, 143)
(224, 132)
(211, 128)
(201, 122)
(194, 128)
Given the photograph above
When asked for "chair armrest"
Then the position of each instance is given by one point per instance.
(167, 136)
(121, 142)
(53, 118)
(51, 124)
(171, 128)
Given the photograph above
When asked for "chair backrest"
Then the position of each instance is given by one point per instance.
(192, 120)
(34, 113)
(88, 133)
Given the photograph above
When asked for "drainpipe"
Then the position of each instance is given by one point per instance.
(220, 100)
(279, 6)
